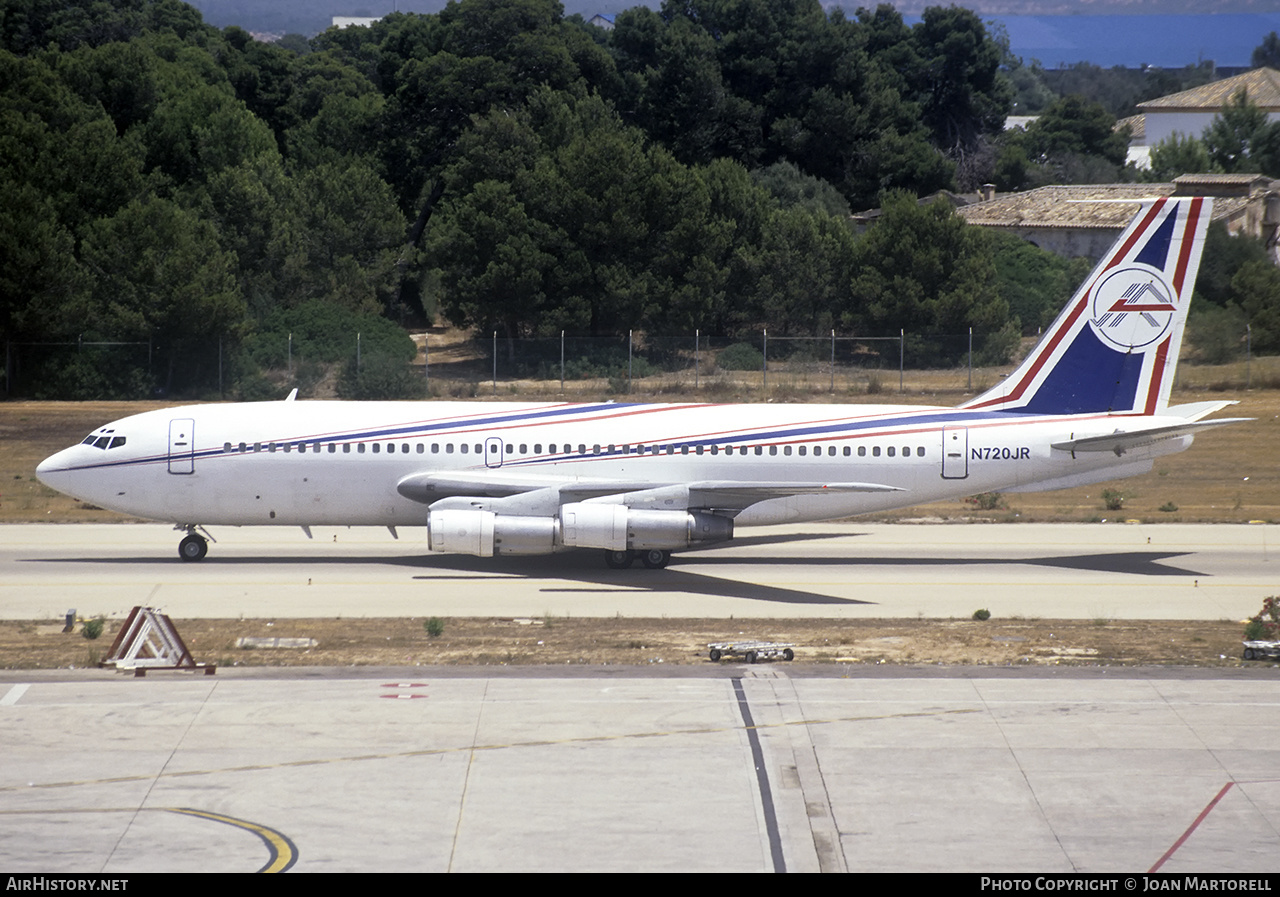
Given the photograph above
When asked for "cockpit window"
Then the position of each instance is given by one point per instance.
(103, 439)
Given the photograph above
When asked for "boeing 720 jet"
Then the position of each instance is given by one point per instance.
(638, 481)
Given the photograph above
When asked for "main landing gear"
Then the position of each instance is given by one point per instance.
(653, 558)
(194, 546)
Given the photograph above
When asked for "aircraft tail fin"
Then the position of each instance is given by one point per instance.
(1115, 345)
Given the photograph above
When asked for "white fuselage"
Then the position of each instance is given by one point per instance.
(314, 463)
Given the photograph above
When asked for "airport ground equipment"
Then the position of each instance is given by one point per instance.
(750, 652)
(149, 641)
(1260, 649)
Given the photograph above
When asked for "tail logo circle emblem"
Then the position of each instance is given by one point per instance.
(1133, 307)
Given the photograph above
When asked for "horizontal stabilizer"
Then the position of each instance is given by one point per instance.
(1120, 442)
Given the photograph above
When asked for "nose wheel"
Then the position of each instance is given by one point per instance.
(193, 548)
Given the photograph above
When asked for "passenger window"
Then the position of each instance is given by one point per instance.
(847, 451)
(773, 450)
(242, 445)
(421, 448)
(377, 447)
(715, 449)
(595, 449)
(582, 449)
(479, 448)
(359, 448)
(875, 451)
(271, 447)
(803, 449)
(524, 449)
(862, 451)
(920, 451)
(759, 450)
(786, 450)
(346, 448)
(448, 449)
(226, 446)
(463, 448)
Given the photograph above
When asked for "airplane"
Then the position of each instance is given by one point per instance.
(638, 481)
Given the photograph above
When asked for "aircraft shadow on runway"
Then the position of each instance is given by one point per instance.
(691, 572)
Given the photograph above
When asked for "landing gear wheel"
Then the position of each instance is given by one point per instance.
(788, 654)
(656, 558)
(619, 560)
(749, 657)
(715, 655)
(1249, 654)
(193, 548)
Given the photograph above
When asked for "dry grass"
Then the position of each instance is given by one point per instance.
(558, 641)
(1230, 475)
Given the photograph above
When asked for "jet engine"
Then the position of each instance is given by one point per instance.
(579, 525)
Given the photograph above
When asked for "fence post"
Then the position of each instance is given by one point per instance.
(902, 355)
(290, 354)
(1248, 356)
(495, 362)
(561, 362)
(629, 344)
(764, 362)
(970, 387)
(697, 340)
(426, 363)
(833, 361)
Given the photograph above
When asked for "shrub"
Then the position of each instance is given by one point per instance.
(982, 614)
(434, 627)
(1265, 624)
(1113, 499)
(93, 628)
(987, 501)
(1168, 507)
(740, 357)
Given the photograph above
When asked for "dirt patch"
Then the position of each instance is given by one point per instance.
(558, 641)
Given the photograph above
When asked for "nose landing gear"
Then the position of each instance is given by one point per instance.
(194, 546)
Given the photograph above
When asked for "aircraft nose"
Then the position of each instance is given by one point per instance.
(52, 470)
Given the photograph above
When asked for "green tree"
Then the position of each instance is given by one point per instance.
(961, 90)
(921, 268)
(1177, 155)
(1257, 283)
(1267, 53)
(160, 274)
(1239, 139)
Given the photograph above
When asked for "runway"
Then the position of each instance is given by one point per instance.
(848, 570)
(746, 769)
(718, 768)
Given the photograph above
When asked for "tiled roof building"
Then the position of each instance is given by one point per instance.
(1084, 220)
(1191, 111)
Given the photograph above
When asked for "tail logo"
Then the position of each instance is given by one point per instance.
(1133, 307)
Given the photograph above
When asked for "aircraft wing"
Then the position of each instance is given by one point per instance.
(721, 495)
(1121, 441)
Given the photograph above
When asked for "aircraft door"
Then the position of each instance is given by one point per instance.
(493, 452)
(955, 453)
(182, 445)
